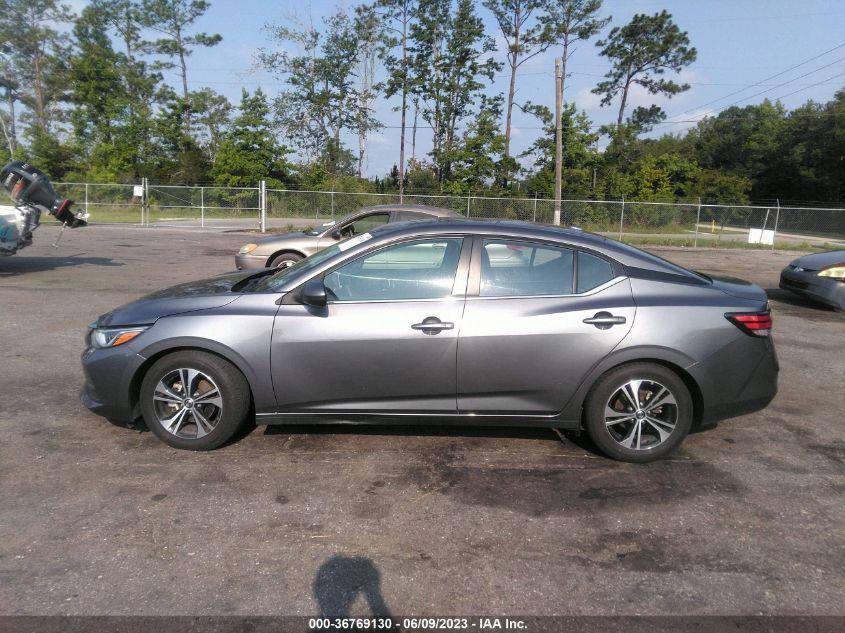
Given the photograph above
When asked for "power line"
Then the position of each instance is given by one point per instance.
(762, 81)
(817, 84)
(757, 94)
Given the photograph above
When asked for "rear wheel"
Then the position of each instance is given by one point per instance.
(285, 260)
(639, 412)
(194, 400)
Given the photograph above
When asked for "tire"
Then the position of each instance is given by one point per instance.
(284, 260)
(219, 394)
(664, 420)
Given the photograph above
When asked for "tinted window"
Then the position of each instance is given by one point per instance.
(423, 269)
(365, 224)
(523, 269)
(592, 272)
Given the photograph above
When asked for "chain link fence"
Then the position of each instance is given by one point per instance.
(257, 208)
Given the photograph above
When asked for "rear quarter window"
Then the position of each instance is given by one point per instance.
(592, 272)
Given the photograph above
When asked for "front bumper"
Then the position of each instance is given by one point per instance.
(809, 284)
(109, 390)
(250, 261)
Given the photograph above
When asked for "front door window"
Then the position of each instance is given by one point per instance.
(364, 224)
(422, 269)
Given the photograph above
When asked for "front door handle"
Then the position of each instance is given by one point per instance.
(432, 325)
(604, 320)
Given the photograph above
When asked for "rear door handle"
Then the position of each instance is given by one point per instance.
(432, 325)
(604, 320)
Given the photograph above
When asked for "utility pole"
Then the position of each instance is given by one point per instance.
(558, 139)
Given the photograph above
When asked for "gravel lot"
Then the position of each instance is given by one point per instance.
(98, 519)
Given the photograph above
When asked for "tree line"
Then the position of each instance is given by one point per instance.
(84, 98)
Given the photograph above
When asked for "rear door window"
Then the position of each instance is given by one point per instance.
(522, 269)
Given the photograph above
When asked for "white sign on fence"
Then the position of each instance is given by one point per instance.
(138, 191)
(761, 236)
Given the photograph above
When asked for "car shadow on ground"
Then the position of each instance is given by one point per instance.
(580, 440)
(793, 300)
(18, 265)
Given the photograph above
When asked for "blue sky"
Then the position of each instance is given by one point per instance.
(739, 42)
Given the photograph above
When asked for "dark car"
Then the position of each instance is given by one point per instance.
(285, 249)
(443, 322)
(820, 276)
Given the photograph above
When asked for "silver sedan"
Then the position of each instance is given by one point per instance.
(285, 249)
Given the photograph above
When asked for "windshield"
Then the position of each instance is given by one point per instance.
(276, 280)
(322, 228)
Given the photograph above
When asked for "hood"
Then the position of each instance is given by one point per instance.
(820, 261)
(188, 297)
(740, 288)
(282, 237)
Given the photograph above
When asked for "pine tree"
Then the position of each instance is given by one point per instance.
(250, 151)
(641, 52)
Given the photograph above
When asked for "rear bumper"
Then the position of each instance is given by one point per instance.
(810, 285)
(739, 388)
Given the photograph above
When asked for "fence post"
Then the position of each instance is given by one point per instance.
(202, 207)
(469, 197)
(332, 202)
(145, 202)
(621, 218)
(535, 206)
(262, 206)
(86, 198)
(697, 220)
(777, 217)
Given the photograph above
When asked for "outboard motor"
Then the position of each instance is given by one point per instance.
(32, 194)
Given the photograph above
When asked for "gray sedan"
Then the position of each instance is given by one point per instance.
(443, 322)
(281, 251)
(820, 276)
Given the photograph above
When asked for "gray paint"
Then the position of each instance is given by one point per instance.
(532, 358)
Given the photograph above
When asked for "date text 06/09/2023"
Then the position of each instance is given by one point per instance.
(416, 624)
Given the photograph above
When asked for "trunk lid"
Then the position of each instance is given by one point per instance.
(741, 289)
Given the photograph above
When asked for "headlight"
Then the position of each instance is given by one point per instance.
(247, 248)
(112, 337)
(835, 272)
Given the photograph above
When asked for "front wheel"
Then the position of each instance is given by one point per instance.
(639, 412)
(194, 400)
(285, 260)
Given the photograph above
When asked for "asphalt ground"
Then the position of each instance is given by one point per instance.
(98, 519)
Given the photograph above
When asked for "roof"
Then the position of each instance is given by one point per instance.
(623, 253)
(422, 208)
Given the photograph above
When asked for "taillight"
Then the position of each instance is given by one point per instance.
(752, 323)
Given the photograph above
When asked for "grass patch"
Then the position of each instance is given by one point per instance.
(737, 244)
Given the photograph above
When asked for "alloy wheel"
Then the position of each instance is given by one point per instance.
(641, 414)
(187, 403)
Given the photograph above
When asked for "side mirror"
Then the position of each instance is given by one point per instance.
(314, 293)
(336, 233)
